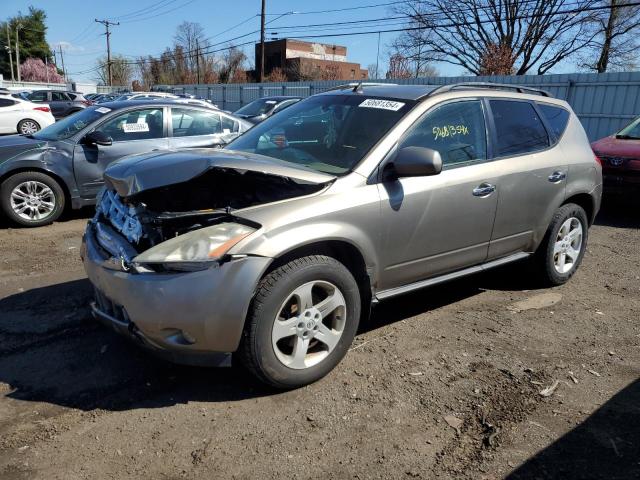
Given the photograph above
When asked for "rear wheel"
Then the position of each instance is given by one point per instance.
(26, 126)
(561, 252)
(302, 321)
(31, 199)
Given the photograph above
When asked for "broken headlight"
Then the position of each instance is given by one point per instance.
(195, 250)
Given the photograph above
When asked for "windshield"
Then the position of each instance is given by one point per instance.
(631, 131)
(257, 107)
(328, 133)
(69, 126)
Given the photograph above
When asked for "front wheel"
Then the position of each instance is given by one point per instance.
(302, 321)
(561, 252)
(31, 199)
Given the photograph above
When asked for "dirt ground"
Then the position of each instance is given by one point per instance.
(443, 383)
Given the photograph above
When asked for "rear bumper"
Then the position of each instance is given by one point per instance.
(185, 317)
(621, 182)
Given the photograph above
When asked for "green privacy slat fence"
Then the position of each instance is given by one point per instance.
(605, 102)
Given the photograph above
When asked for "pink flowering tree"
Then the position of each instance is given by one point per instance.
(35, 70)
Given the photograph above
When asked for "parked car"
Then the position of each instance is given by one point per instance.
(21, 116)
(260, 109)
(620, 156)
(62, 103)
(275, 246)
(62, 163)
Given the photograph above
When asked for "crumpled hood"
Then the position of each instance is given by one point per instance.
(13, 145)
(136, 173)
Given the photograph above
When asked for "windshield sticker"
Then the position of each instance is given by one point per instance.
(383, 104)
(135, 127)
(103, 110)
(226, 131)
(270, 102)
(449, 131)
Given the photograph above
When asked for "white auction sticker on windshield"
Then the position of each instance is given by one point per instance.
(135, 127)
(103, 110)
(383, 104)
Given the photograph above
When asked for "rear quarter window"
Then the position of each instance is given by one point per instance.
(519, 129)
(557, 118)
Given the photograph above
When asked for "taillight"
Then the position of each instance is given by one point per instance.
(87, 102)
(597, 159)
(42, 109)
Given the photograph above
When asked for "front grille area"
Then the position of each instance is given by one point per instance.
(616, 162)
(108, 307)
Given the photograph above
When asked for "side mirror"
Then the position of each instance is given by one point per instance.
(97, 138)
(417, 162)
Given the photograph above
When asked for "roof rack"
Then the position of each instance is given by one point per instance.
(352, 85)
(490, 86)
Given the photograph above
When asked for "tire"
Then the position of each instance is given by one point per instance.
(275, 362)
(548, 258)
(27, 126)
(43, 194)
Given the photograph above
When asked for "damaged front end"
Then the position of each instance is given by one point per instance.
(157, 250)
(187, 225)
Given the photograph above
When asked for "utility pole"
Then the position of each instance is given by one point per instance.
(18, 27)
(13, 79)
(198, 60)
(262, 17)
(106, 24)
(378, 57)
(46, 66)
(64, 72)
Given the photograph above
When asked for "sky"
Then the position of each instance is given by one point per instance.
(148, 26)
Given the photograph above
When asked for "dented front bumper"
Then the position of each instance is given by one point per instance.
(186, 317)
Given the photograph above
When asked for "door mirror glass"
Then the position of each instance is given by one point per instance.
(417, 162)
(97, 138)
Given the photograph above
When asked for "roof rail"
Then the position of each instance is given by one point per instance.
(359, 84)
(490, 86)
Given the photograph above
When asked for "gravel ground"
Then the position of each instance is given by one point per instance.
(443, 383)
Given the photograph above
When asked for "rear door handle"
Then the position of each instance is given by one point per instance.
(556, 177)
(484, 190)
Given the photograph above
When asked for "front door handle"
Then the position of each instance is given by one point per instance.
(484, 190)
(556, 177)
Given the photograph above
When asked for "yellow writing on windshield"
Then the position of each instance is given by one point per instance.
(449, 131)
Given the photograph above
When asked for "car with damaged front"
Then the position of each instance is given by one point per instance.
(62, 164)
(274, 248)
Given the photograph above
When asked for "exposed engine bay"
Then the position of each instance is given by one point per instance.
(152, 216)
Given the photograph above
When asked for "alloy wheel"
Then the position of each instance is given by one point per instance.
(33, 200)
(28, 127)
(568, 245)
(309, 324)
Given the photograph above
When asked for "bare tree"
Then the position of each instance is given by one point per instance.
(232, 66)
(616, 44)
(191, 38)
(531, 34)
(372, 70)
(398, 67)
(121, 70)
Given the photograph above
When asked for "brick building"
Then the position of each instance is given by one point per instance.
(301, 60)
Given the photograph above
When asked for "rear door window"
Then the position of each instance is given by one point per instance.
(59, 97)
(188, 123)
(519, 129)
(5, 102)
(557, 118)
(456, 130)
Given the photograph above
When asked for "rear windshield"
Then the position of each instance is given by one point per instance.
(257, 107)
(69, 126)
(328, 133)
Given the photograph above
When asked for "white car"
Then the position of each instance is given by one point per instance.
(21, 116)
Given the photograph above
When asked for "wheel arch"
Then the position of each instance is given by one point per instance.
(585, 201)
(343, 251)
